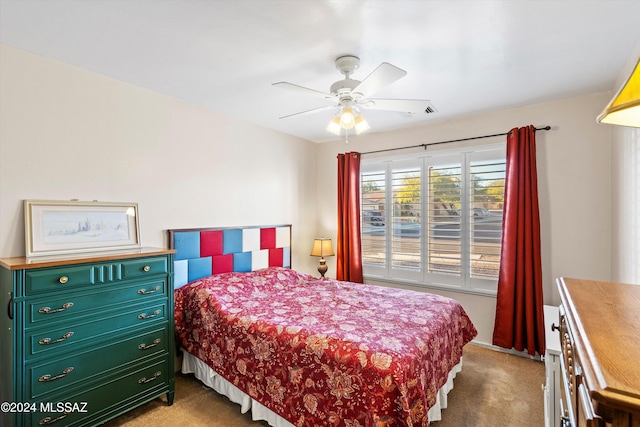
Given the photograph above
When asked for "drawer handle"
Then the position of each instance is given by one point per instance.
(144, 380)
(48, 310)
(46, 341)
(10, 308)
(144, 346)
(146, 268)
(49, 420)
(63, 279)
(554, 327)
(47, 377)
(149, 316)
(145, 292)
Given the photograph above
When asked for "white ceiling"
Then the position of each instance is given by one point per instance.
(466, 56)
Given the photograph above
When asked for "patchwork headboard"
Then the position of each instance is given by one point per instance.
(201, 252)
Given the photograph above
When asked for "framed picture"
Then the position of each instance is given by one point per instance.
(55, 227)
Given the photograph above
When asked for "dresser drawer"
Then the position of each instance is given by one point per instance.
(145, 267)
(85, 275)
(54, 308)
(57, 279)
(91, 330)
(86, 367)
(103, 401)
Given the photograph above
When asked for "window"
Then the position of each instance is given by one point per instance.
(434, 219)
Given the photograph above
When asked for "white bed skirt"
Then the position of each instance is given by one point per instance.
(193, 365)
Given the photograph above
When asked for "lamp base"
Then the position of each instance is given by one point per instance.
(322, 267)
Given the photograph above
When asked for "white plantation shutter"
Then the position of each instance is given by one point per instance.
(373, 195)
(434, 219)
(444, 255)
(405, 218)
(486, 200)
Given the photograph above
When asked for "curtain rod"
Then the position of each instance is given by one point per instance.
(447, 142)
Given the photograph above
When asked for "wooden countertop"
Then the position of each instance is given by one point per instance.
(605, 320)
(19, 263)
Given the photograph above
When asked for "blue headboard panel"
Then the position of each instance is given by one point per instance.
(201, 252)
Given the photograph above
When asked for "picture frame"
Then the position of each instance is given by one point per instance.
(58, 227)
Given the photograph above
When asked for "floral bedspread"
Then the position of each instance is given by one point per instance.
(320, 352)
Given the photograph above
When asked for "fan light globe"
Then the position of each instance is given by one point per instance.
(334, 126)
(347, 118)
(361, 125)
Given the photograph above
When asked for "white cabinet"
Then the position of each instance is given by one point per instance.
(552, 368)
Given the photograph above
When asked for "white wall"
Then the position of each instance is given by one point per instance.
(573, 178)
(67, 133)
(625, 184)
(625, 191)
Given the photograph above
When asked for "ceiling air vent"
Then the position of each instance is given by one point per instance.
(430, 109)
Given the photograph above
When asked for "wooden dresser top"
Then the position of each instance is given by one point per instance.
(19, 263)
(604, 318)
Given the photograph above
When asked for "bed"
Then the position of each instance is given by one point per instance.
(299, 350)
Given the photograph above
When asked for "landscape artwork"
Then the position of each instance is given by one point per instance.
(85, 227)
(61, 227)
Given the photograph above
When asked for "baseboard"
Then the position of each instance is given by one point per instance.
(505, 350)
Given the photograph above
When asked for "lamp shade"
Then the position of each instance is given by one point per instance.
(624, 108)
(322, 247)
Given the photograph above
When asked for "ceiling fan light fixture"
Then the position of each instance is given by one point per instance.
(349, 95)
(334, 126)
(346, 120)
(361, 125)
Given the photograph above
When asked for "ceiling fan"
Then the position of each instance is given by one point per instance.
(350, 95)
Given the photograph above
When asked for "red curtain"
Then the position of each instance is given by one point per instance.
(519, 321)
(349, 253)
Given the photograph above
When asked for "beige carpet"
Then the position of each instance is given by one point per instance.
(493, 389)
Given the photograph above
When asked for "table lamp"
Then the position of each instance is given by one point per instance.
(322, 248)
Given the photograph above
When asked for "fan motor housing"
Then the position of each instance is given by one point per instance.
(344, 86)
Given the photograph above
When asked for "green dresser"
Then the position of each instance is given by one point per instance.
(85, 339)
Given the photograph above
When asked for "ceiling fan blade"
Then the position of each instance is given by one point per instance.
(315, 110)
(412, 106)
(303, 90)
(382, 76)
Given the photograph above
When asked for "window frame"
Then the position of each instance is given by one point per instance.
(464, 156)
